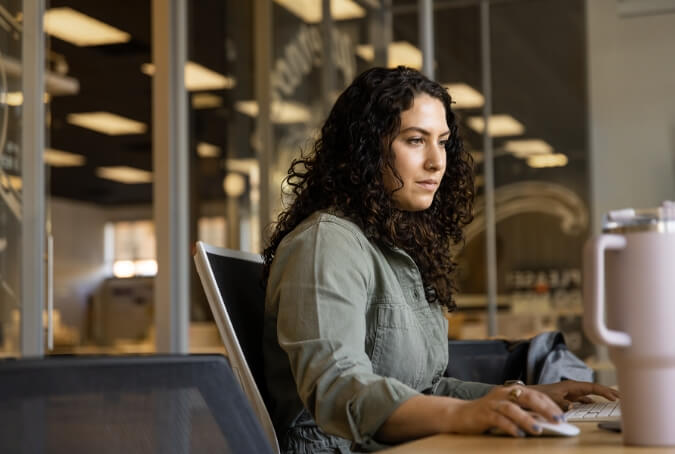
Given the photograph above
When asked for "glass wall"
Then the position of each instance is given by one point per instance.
(555, 89)
(539, 133)
(541, 167)
(314, 60)
(11, 98)
(99, 170)
(225, 176)
(537, 129)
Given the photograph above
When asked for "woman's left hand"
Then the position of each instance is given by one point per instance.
(566, 392)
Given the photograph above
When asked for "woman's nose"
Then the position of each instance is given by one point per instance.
(435, 157)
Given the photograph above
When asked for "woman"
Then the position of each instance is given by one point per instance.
(359, 272)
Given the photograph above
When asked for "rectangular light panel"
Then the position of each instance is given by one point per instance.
(465, 96)
(15, 98)
(81, 30)
(107, 123)
(207, 150)
(16, 182)
(398, 53)
(206, 101)
(528, 147)
(124, 174)
(60, 158)
(547, 160)
(282, 112)
(310, 10)
(198, 77)
(499, 125)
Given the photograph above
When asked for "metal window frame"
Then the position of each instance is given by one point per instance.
(171, 176)
(33, 176)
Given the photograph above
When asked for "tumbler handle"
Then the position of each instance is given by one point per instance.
(594, 291)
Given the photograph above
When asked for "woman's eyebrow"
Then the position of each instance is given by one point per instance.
(422, 131)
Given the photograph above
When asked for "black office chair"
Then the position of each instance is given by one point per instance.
(232, 281)
(543, 359)
(143, 404)
(487, 361)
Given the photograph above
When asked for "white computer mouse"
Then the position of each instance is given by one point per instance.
(548, 429)
(561, 429)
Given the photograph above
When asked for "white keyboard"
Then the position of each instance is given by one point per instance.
(598, 411)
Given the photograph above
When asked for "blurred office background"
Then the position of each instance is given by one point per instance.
(581, 102)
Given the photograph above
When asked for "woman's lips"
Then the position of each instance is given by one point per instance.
(429, 185)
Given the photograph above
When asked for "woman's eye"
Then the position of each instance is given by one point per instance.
(443, 143)
(415, 140)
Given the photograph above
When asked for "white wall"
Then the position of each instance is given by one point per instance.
(631, 67)
(78, 256)
(79, 261)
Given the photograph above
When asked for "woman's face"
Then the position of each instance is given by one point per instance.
(419, 154)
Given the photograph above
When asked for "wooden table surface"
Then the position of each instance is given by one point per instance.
(590, 440)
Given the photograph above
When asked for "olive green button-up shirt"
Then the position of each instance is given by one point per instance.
(349, 334)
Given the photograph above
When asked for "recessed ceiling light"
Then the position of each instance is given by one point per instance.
(249, 107)
(206, 101)
(107, 123)
(15, 98)
(400, 53)
(198, 77)
(16, 182)
(499, 125)
(148, 69)
(282, 112)
(12, 98)
(79, 29)
(207, 150)
(405, 54)
(234, 184)
(528, 147)
(124, 174)
(60, 158)
(310, 10)
(465, 96)
(547, 160)
(366, 52)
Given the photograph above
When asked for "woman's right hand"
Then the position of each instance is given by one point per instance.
(504, 408)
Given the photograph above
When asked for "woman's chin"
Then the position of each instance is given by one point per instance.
(414, 205)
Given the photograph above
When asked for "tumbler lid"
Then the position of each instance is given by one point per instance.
(660, 219)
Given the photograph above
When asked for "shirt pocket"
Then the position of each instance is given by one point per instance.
(398, 348)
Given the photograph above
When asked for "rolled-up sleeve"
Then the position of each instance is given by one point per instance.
(321, 325)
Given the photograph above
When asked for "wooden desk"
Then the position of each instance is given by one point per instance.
(591, 440)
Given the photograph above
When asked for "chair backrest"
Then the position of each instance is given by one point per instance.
(139, 404)
(487, 361)
(232, 281)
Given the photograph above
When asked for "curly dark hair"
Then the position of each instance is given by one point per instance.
(344, 171)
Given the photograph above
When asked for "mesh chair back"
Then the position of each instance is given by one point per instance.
(154, 404)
